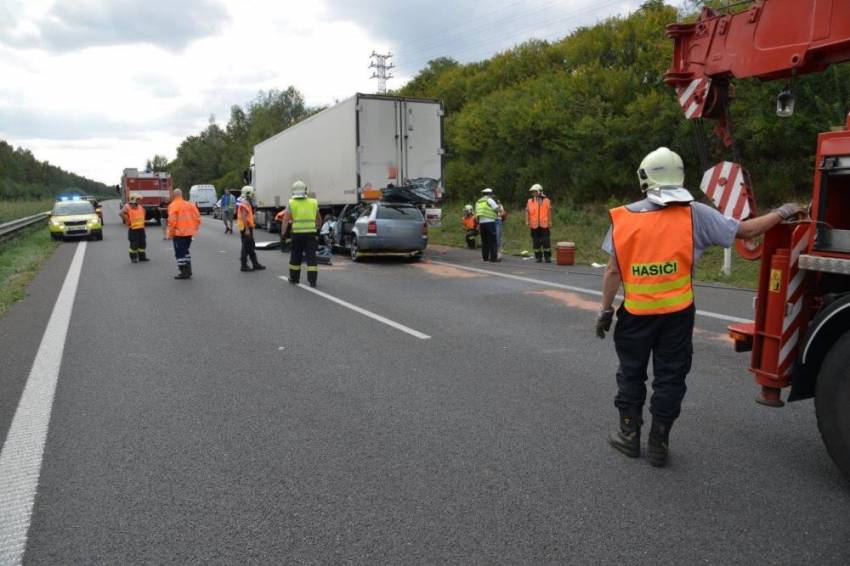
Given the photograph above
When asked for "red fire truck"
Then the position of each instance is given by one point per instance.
(154, 187)
(800, 337)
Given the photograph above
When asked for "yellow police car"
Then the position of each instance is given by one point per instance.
(75, 218)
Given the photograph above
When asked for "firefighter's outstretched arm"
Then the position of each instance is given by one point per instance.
(761, 224)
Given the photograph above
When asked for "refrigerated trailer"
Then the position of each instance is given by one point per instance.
(350, 151)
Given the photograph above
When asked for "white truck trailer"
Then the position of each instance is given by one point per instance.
(364, 144)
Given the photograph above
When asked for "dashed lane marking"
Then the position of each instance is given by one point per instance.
(364, 312)
(707, 314)
(20, 459)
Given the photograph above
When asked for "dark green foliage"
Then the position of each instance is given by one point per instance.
(578, 116)
(24, 177)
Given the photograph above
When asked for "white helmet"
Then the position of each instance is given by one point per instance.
(487, 191)
(135, 197)
(536, 188)
(299, 189)
(248, 191)
(468, 208)
(661, 168)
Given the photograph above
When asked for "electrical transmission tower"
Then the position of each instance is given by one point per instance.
(382, 66)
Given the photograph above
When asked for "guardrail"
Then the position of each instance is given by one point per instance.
(21, 223)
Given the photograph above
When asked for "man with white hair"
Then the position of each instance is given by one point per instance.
(486, 212)
(183, 222)
(654, 245)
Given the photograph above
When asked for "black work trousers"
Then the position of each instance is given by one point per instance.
(249, 250)
(138, 240)
(470, 238)
(489, 243)
(303, 249)
(668, 338)
(542, 243)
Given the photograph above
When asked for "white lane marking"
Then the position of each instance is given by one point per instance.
(706, 314)
(20, 459)
(364, 312)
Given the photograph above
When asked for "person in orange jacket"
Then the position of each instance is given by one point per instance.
(470, 224)
(183, 223)
(538, 217)
(285, 232)
(133, 215)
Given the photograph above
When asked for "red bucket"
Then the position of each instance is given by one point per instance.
(566, 253)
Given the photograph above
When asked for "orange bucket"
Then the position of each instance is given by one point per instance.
(566, 253)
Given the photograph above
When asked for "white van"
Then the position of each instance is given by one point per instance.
(204, 197)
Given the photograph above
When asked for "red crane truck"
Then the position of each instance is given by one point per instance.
(800, 337)
(154, 188)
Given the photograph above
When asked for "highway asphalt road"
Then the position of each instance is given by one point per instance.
(237, 419)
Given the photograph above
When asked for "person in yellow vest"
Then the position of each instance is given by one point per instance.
(654, 245)
(538, 218)
(133, 215)
(303, 214)
(486, 213)
(245, 225)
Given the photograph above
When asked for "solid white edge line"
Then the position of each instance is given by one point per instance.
(23, 450)
(364, 312)
(706, 314)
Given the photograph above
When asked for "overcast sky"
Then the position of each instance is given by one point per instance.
(98, 85)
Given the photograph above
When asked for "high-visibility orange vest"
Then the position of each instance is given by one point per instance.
(135, 216)
(244, 209)
(183, 218)
(539, 215)
(655, 254)
(469, 222)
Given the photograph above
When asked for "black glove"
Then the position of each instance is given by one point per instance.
(603, 322)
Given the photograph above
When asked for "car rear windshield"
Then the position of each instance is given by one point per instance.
(71, 208)
(399, 213)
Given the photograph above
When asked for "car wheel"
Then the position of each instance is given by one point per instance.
(414, 258)
(355, 250)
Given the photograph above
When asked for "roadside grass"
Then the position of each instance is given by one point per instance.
(586, 227)
(20, 259)
(14, 209)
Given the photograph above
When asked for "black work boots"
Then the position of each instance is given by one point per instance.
(659, 435)
(626, 439)
(256, 266)
(185, 271)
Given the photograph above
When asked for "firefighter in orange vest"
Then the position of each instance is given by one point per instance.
(133, 215)
(470, 225)
(654, 245)
(285, 231)
(538, 217)
(183, 223)
(245, 225)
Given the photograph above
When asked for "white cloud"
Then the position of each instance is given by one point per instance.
(98, 101)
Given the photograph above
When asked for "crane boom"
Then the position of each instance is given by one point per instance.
(773, 39)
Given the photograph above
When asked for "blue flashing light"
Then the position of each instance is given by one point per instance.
(63, 198)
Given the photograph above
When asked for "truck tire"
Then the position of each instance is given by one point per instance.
(832, 398)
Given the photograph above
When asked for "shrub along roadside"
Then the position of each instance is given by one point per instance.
(21, 257)
(14, 209)
(586, 226)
